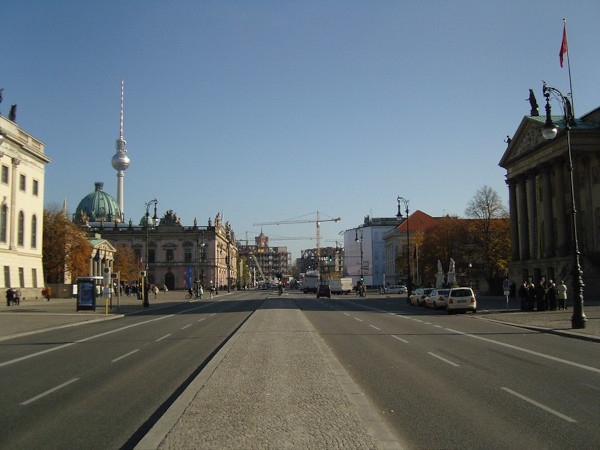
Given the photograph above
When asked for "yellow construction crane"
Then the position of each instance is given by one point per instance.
(317, 221)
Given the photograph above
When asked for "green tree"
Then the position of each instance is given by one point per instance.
(65, 247)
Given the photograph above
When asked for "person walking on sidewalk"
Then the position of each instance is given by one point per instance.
(524, 295)
(10, 296)
(46, 293)
(17, 299)
(551, 296)
(561, 295)
(540, 296)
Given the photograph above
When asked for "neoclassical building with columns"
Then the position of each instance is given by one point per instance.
(537, 175)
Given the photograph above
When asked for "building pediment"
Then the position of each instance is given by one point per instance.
(526, 140)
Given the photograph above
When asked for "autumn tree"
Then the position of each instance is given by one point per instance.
(447, 239)
(125, 263)
(66, 248)
(491, 231)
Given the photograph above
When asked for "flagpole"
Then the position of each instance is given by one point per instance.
(569, 68)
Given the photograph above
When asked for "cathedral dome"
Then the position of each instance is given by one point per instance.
(99, 206)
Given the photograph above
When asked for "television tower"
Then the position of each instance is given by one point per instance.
(120, 160)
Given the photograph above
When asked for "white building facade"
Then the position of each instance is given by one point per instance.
(22, 166)
(364, 250)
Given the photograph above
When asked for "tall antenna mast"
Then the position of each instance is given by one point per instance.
(120, 160)
(122, 96)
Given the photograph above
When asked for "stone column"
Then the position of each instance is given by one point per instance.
(522, 219)
(514, 218)
(562, 229)
(548, 250)
(532, 215)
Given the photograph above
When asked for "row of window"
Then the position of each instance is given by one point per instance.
(35, 185)
(170, 255)
(20, 228)
(7, 282)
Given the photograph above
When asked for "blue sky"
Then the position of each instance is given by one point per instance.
(272, 110)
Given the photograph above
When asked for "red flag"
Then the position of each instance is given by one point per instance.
(563, 46)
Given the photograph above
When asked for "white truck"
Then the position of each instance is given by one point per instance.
(341, 285)
(311, 283)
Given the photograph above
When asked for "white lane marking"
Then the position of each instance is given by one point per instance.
(43, 394)
(356, 318)
(438, 326)
(531, 352)
(591, 386)
(539, 405)
(200, 320)
(373, 326)
(60, 347)
(443, 359)
(213, 314)
(187, 326)
(164, 337)
(400, 339)
(347, 314)
(125, 355)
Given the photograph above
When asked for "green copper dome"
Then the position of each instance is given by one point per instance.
(99, 206)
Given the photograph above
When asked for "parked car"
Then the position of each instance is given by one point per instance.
(437, 298)
(461, 299)
(417, 298)
(397, 289)
(324, 290)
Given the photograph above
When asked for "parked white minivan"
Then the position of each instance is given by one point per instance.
(461, 299)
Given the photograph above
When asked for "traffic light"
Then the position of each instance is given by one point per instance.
(330, 258)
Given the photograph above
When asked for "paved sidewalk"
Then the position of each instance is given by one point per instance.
(556, 322)
(275, 384)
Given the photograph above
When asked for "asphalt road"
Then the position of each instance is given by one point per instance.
(104, 384)
(438, 381)
(458, 382)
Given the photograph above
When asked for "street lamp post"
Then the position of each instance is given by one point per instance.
(470, 276)
(550, 131)
(402, 200)
(359, 241)
(144, 287)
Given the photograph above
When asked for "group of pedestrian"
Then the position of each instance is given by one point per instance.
(13, 296)
(543, 296)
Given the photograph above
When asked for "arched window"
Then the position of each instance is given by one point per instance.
(21, 229)
(33, 231)
(3, 223)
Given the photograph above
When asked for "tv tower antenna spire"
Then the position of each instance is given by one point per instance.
(120, 160)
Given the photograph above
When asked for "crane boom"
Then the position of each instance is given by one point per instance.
(317, 221)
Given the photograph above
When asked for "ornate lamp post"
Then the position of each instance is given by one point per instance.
(402, 200)
(550, 131)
